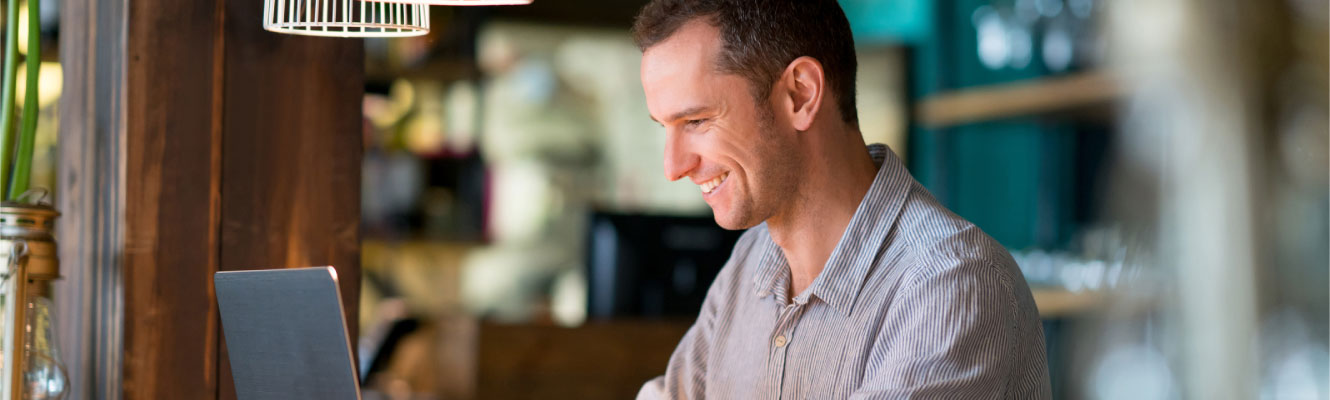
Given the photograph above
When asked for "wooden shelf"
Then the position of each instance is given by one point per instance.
(1037, 96)
(1054, 302)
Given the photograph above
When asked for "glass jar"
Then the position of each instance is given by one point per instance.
(28, 263)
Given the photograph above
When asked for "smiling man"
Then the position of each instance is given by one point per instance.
(851, 281)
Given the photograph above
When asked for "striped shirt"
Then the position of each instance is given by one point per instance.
(914, 302)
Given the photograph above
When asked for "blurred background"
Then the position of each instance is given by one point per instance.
(1157, 167)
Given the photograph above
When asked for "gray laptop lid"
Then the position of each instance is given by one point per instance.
(286, 335)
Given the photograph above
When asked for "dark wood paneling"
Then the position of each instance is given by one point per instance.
(171, 200)
(291, 154)
(293, 142)
(193, 141)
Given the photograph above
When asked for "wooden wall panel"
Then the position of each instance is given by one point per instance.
(193, 141)
(293, 137)
(292, 123)
(171, 205)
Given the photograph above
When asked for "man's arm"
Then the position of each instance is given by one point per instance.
(952, 334)
(685, 378)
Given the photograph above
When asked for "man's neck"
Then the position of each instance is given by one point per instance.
(839, 174)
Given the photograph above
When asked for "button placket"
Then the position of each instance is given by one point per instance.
(789, 318)
(780, 341)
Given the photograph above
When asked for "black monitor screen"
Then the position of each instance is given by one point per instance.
(639, 265)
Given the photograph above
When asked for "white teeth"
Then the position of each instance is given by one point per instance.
(710, 185)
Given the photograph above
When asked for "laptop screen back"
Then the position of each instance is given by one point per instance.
(286, 334)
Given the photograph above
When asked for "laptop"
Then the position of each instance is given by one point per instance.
(286, 334)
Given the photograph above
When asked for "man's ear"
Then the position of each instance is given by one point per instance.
(801, 88)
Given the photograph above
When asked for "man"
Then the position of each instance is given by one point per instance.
(851, 281)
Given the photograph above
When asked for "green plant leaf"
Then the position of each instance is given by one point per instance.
(23, 160)
(7, 94)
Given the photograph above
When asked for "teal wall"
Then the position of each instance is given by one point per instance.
(1014, 177)
(889, 21)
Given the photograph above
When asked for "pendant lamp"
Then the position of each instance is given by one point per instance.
(346, 18)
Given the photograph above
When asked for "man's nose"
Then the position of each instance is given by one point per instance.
(679, 159)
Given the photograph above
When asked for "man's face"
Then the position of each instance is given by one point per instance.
(733, 147)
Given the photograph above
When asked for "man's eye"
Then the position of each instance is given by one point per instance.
(693, 123)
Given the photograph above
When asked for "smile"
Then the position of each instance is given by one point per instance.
(711, 185)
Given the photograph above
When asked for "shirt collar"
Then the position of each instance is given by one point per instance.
(842, 278)
(773, 273)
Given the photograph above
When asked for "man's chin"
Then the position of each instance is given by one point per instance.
(733, 223)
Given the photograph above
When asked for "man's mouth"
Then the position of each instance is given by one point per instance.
(709, 186)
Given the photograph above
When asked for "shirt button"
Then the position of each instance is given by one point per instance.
(780, 341)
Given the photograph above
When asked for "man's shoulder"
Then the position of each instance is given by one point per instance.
(939, 242)
(950, 258)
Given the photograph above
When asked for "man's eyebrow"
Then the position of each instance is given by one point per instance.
(681, 114)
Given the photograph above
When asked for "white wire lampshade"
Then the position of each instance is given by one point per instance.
(345, 18)
(466, 2)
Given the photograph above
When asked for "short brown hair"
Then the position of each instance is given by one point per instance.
(761, 37)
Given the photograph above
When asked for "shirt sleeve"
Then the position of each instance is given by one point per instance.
(949, 335)
(685, 378)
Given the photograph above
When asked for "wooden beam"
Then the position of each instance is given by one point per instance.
(170, 254)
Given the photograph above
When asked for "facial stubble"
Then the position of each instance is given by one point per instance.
(773, 184)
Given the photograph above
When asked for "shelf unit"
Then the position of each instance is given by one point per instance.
(1029, 97)
(1058, 302)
